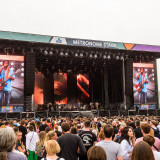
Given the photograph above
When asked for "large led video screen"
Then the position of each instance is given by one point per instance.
(144, 85)
(60, 88)
(11, 83)
(83, 88)
(158, 78)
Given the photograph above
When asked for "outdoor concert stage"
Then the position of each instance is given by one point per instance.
(57, 70)
(73, 114)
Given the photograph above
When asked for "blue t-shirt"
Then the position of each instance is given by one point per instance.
(144, 89)
(8, 87)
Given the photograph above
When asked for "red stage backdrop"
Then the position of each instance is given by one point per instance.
(82, 88)
(60, 88)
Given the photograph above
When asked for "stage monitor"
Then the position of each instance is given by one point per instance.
(11, 83)
(60, 88)
(158, 77)
(83, 88)
(144, 86)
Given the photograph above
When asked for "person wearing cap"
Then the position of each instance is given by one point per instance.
(37, 120)
(43, 126)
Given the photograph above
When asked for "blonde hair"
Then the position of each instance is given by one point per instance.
(52, 147)
(49, 135)
(42, 137)
(7, 141)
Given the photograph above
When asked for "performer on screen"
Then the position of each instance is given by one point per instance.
(142, 86)
(6, 76)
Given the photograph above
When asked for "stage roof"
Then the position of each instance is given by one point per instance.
(35, 38)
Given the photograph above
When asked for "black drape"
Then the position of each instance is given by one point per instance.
(115, 81)
(72, 88)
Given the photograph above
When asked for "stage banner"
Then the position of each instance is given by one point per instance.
(11, 83)
(60, 88)
(158, 80)
(83, 88)
(144, 86)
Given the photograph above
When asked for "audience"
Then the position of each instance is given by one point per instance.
(142, 151)
(80, 138)
(40, 149)
(96, 153)
(145, 129)
(113, 150)
(70, 144)
(51, 135)
(43, 125)
(137, 131)
(31, 140)
(127, 142)
(52, 149)
(19, 145)
(88, 137)
(150, 140)
(7, 145)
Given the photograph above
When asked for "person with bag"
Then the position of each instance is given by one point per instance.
(31, 140)
(40, 149)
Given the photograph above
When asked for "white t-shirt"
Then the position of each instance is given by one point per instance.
(156, 155)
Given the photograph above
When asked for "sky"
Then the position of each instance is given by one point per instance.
(130, 21)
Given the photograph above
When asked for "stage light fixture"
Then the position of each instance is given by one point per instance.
(66, 54)
(22, 74)
(122, 58)
(76, 54)
(50, 53)
(104, 56)
(22, 64)
(108, 57)
(90, 55)
(12, 63)
(95, 56)
(117, 57)
(61, 53)
(81, 55)
(45, 53)
(22, 69)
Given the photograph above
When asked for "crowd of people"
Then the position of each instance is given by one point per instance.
(97, 138)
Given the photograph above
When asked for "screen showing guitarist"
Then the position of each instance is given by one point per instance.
(6, 77)
(142, 84)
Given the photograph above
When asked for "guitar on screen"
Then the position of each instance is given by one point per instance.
(3, 82)
(140, 85)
